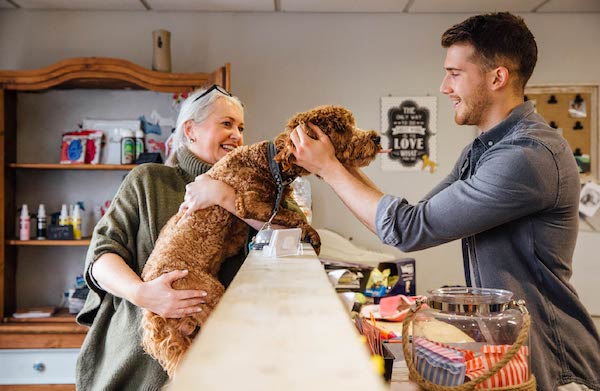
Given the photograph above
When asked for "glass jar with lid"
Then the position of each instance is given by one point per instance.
(467, 338)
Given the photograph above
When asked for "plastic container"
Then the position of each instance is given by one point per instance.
(76, 222)
(63, 219)
(139, 143)
(301, 192)
(127, 146)
(463, 334)
(24, 224)
(41, 222)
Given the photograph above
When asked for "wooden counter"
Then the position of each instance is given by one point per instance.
(280, 326)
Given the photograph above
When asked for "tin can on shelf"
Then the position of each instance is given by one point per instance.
(467, 338)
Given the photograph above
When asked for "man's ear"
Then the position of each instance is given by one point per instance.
(499, 78)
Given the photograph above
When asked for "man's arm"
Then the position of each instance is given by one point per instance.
(357, 192)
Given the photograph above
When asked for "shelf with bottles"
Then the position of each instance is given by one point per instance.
(32, 117)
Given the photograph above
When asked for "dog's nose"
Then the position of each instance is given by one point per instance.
(376, 139)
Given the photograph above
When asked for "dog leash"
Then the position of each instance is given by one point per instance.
(263, 236)
(278, 176)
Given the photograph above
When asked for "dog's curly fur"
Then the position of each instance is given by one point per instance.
(201, 242)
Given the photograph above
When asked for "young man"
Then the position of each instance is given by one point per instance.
(512, 196)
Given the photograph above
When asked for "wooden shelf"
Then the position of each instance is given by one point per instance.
(61, 316)
(38, 387)
(109, 73)
(45, 242)
(58, 331)
(53, 166)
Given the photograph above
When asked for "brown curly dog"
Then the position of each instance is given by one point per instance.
(201, 242)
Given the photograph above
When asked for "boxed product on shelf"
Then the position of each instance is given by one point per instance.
(111, 150)
(81, 147)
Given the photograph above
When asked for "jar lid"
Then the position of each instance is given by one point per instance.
(468, 301)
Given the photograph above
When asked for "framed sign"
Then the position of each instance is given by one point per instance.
(409, 127)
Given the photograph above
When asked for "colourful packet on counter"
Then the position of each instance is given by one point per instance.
(438, 364)
(377, 283)
(515, 372)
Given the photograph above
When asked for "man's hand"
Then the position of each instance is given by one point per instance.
(159, 297)
(316, 156)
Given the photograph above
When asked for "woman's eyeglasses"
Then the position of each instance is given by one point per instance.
(213, 88)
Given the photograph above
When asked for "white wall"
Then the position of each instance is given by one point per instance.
(284, 63)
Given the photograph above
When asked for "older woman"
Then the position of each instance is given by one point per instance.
(210, 125)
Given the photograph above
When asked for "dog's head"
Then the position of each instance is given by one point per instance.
(353, 146)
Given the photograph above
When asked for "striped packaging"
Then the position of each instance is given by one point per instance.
(515, 372)
(439, 364)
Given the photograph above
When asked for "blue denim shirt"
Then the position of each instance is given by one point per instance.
(513, 199)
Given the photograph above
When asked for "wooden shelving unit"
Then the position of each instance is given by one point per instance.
(61, 331)
(47, 166)
(41, 243)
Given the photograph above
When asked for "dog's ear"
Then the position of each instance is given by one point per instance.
(284, 145)
(285, 157)
(330, 119)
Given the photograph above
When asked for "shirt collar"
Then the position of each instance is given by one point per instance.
(498, 132)
(190, 164)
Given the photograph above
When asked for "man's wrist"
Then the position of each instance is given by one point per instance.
(331, 170)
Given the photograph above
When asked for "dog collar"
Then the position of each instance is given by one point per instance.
(278, 176)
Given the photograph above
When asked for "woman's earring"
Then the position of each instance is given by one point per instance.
(192, 140)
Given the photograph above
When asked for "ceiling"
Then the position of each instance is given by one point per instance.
(384, 6)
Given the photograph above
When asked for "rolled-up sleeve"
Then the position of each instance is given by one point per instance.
(114, 233)
(512, 180)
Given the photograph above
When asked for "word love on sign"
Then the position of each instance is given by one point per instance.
(408, 127)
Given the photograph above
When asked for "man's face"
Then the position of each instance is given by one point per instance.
(465, 85)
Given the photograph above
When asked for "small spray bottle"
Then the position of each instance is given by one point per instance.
(63, 219)
(76, 222)
(41, 222)
(24, 233)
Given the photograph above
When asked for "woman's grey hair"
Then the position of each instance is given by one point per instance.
(196, 110)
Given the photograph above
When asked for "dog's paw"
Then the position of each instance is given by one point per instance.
(310, 235)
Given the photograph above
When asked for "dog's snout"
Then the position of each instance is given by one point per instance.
(376, 139)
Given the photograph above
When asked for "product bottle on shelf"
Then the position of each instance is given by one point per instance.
(76, 222)
(139, 143)
(41, 222)
(63, 219)
(127, 146)
(24, 223)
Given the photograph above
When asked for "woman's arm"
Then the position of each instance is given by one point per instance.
(116, 277)
(205, 192)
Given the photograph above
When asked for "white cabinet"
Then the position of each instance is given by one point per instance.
(38, 366)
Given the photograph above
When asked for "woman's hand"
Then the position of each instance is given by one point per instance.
(314, 155)
(159, 297)
(205, 192)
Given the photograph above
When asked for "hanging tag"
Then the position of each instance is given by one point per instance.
(262, 238)
(284, 242)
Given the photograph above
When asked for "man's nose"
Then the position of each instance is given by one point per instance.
(444, 87)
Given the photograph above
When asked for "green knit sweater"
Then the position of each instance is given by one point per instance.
(111, 357)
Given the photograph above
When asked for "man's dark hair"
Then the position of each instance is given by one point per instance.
(498, 39)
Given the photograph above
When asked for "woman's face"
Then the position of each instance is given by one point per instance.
(218, 134)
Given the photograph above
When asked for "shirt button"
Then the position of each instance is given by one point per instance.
(490, 143)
